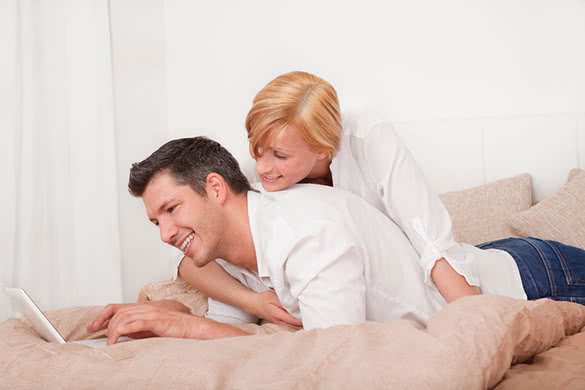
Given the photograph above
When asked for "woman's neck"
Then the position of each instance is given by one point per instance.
(321, 173)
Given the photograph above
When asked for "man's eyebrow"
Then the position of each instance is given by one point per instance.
(162, 208)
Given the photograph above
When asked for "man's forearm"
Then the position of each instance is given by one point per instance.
(171, 305)
(209, 329)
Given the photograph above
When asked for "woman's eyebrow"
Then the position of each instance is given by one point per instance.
(281, 149)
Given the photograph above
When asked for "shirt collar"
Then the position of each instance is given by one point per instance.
(254, 207)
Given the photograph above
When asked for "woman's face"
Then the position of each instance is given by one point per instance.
(286, 162)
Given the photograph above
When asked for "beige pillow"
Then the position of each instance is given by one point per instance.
(574, 172)
(480, 214)
(560, 217)
(176, 290)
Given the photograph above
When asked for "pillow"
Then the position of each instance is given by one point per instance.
(560, 217)
(480, 214)
(574, 172)
(176, 290)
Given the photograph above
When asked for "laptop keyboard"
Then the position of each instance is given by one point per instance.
(98, 343)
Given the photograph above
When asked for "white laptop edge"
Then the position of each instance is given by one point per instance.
(23, 303)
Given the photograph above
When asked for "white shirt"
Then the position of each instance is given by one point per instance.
(332, 259)
(373, 163)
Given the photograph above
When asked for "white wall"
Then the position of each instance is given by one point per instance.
(138, 43)
(481, 150)
(186, 67)
(414, 60)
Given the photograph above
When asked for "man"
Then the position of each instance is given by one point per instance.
(330, 257)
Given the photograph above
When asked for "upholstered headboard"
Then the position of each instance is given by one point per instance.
(458, 154)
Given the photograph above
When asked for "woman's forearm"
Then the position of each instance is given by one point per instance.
(450, 284)
(216, 283)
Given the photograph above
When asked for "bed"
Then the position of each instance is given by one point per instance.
(471, 344)
(480, 342)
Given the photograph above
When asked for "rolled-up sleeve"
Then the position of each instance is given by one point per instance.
(411, 204)
(227, 314)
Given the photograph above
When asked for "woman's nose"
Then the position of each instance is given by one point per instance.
(263, 165)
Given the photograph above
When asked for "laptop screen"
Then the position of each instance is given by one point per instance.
(23, 303)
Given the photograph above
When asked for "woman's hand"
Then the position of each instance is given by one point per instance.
(216, 283)
(269, 308)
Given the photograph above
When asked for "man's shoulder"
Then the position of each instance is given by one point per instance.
(305, 209)
(313, 200)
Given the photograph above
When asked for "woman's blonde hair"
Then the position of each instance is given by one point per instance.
(300, 99)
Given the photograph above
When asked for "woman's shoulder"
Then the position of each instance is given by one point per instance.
(365, 124)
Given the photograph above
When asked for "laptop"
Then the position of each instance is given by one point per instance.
(23, 303)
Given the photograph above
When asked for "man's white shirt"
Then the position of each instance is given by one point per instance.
(332, 259)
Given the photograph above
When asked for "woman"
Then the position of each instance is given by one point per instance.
(296, 134)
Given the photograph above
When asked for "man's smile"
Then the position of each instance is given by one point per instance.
(186, 243)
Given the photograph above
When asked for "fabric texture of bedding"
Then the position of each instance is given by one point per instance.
(468, 345)
(574, 172)
(560, 217)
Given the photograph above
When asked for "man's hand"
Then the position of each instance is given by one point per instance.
(103, 319)
(148, 319)
(269, 308)
(155, 320)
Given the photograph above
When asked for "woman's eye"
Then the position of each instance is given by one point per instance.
(280, 156)
(171, 209)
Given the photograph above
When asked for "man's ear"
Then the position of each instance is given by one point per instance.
(216, 187)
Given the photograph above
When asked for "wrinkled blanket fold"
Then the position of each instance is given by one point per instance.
(470, 344)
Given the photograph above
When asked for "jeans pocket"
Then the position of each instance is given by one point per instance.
(572, 262)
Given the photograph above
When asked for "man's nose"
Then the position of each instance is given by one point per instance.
(167, 232)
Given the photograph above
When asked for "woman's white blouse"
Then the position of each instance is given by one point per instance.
(373, 163)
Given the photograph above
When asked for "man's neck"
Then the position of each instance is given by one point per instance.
(238, 241)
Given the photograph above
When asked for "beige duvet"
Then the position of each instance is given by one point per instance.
(470, 344)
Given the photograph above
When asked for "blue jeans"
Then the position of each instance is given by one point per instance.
(548, 269)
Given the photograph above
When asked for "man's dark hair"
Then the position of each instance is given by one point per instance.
(189, 160)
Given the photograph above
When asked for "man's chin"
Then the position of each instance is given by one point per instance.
(199, 262)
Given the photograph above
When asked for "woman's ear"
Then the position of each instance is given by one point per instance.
(216, 187)
(322, 155)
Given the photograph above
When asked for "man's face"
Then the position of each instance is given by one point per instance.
(186, 220)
